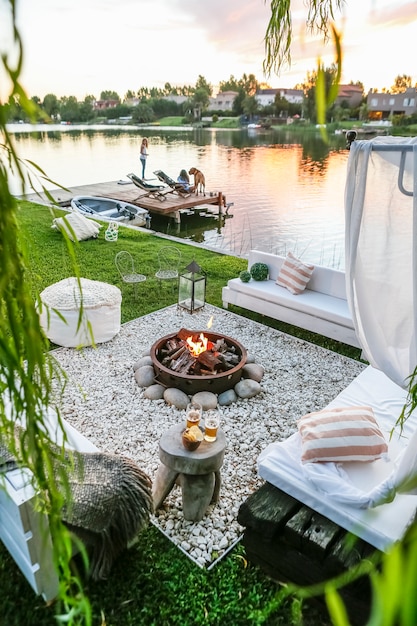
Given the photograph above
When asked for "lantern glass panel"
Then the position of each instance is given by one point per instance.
(191, 291)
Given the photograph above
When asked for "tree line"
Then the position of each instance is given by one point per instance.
(149, 104)
(144, 105)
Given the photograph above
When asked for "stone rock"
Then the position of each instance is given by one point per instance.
(253, 371)
(144, 360)
(250, 358)
(247, 388)
(154, 392)
(145, 376)
(207, 399)
(176, 397)
(227, 397)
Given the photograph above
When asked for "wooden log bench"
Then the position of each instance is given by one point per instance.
(322, 308)
(292, 543)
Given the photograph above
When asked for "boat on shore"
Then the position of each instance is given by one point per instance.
(111, 210)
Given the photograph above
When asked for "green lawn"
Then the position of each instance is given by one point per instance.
(227, 122)
(153, 583)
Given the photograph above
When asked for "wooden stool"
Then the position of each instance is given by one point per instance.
(198, 472)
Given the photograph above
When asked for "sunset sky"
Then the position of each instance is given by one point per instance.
(82, 47)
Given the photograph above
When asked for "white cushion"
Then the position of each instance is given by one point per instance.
(325, 280)
(310, 302)
(76, 226)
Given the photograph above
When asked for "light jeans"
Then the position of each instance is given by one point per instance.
(143, 161)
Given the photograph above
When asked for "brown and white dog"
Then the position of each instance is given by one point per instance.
(199, 180)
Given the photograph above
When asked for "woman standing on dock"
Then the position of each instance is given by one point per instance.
(143, 154)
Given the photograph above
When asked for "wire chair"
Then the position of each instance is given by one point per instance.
(126, 268)
(169, 259)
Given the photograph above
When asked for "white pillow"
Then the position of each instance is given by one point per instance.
(76, 226)
(341, 434)
(294, 275)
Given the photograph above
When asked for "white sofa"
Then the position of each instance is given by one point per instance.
(322, 308)
(24, 530)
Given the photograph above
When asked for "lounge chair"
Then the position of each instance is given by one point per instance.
(151, 191)
(176, 187)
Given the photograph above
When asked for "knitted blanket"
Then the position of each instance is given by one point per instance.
(110, 501)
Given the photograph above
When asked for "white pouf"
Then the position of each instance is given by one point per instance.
(60, 313)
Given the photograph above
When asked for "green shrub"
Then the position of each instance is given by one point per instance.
(259, 271)
(245, 276)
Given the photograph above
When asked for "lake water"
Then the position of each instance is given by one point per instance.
(288, 192)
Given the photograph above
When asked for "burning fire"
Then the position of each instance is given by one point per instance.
(197, 347)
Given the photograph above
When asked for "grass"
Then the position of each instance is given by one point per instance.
(170, 120)
(153, 584)
(227, 122)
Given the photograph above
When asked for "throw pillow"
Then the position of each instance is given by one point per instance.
(341, 434)
(294, 275)
(76, 226)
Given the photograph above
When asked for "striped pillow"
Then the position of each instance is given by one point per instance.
(341, 434)
(294, 274)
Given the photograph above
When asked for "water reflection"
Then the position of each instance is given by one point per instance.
(287, 190)
(196, 228)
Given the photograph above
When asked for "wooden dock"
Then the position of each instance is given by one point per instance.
(172, 206)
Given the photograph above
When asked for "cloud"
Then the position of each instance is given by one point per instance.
(79, 47)
(393, 15)
(231, 26)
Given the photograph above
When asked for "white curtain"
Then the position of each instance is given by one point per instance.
(381, 251)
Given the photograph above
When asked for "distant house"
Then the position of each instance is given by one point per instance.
(266, 97)
(384, 105)
(351, 94)
(174, 98)
(132, 102)
(223, 101)
(100, 105)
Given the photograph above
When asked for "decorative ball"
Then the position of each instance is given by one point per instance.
(245, 276)
(259, 271)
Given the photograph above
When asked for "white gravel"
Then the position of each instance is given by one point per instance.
(103, 401)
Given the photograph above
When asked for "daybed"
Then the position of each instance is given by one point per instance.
(342, 492)
(322, 308)
(297, 524)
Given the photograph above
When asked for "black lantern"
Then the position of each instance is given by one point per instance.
(192, 288)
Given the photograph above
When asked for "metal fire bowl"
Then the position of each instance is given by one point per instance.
(216, 383)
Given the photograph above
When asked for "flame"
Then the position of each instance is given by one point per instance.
(197, 347)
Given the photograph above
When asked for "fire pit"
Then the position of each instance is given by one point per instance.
(198, 361)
